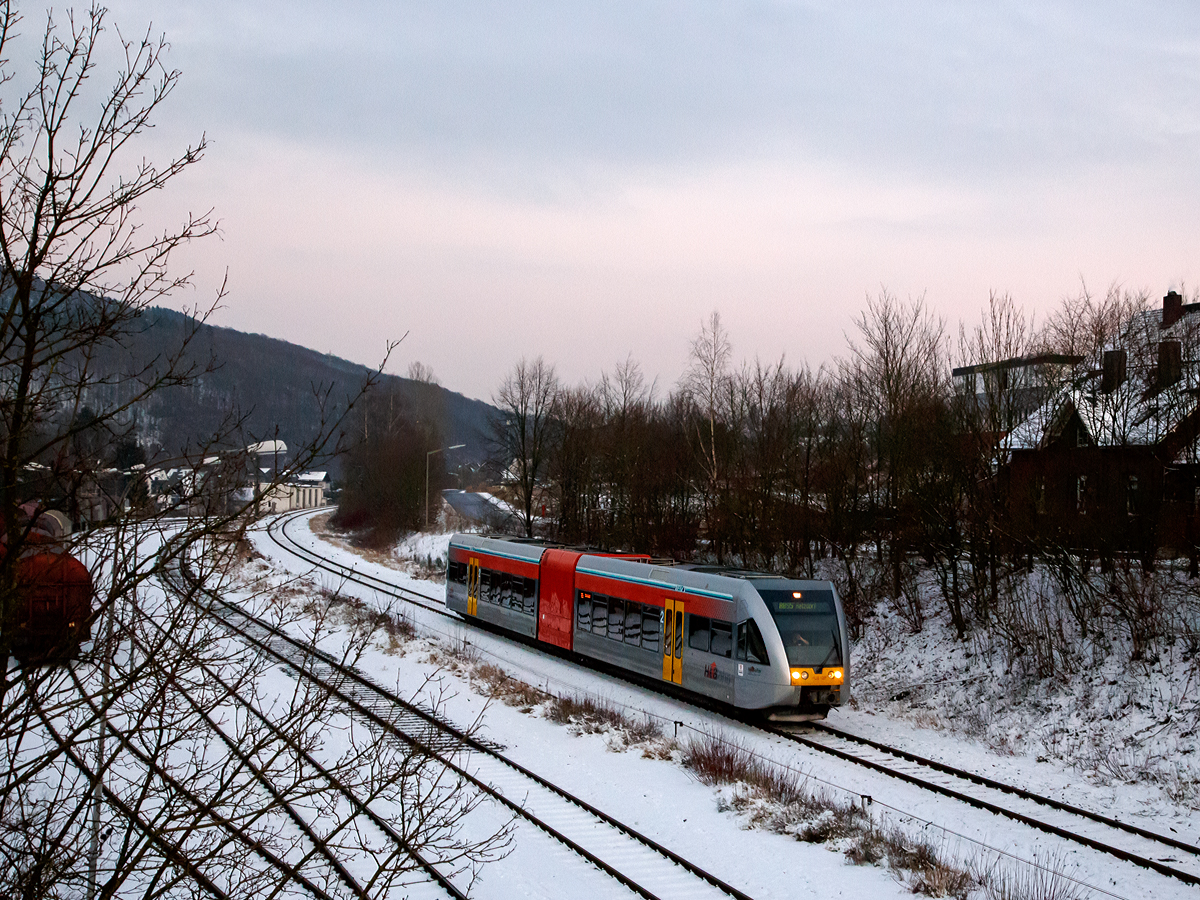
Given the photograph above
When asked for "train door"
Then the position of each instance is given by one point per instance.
(473, 587)
(672, 630)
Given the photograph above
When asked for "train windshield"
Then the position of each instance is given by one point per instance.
(808, 623)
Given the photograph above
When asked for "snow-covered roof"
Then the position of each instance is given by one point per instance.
(263, 447)
(312, 477)
(1131, 415)
(1149, 322)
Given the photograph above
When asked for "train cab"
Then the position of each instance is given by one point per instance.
(811, 648)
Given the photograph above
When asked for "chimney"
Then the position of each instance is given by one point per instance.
(1113, 375)
(1170, 363)
(1172, 308)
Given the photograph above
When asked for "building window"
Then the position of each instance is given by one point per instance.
(1081, 495)
(1040, 501)
(1131, 496)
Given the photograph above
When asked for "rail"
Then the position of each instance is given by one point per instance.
(278, 529)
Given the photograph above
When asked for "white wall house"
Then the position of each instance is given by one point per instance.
(306, 491)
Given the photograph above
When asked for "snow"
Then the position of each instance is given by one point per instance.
(658, 798)
(662, 799)
(1117, 738)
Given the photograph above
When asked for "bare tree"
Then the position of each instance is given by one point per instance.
(132, 769)
(1086, 325)
(574, 467)
(706, 383)
(706, 386)
(521, 433)
(418, 371)
(896, 377)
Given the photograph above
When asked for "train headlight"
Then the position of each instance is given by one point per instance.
(795, 675)
(837, 675)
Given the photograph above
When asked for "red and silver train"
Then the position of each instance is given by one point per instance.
(747, 639)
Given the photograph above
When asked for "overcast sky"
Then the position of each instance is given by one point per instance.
(589, 180)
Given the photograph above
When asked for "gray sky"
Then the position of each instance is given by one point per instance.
(589, 180)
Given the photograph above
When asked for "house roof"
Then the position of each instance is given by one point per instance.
(1017, 362)
(1131, 415)
(264, 447)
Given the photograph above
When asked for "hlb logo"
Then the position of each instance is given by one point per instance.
(710, 671)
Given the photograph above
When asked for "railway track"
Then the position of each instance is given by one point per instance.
(319, 831)
(1142, 847)
(636, 861)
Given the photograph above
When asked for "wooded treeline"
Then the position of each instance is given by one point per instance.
(874, 469)
(388, 469)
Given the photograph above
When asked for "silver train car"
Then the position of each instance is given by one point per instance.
(748, 639)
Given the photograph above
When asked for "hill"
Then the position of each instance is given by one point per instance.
(272, 384)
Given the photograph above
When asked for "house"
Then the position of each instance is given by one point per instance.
(1109, 462)
(1011, 389)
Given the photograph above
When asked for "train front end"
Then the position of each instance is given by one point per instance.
(805, 641)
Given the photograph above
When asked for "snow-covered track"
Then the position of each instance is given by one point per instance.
(641, 864)
(436, 885)
(1110, 836)
(277, 532)
(1107, 835)
(1023, 793)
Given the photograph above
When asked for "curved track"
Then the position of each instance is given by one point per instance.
(641, 864)
(319, 831)
(1127, 842)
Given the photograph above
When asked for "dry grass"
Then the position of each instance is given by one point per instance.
(593, 716)
(370, 545)
(499, 685)
(718, 762)
(1027, 883)
(780, 800)
(583, 715)
(357, 614)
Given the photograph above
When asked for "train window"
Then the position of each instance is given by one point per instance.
(651, 626)
(616, 618)
(528, 596)
(633, 623)
(722, 638)
(750, 644)
(583, 612)
(698, 632)
(516, 590)
(457, 572)
(485, 586)
(599, 615)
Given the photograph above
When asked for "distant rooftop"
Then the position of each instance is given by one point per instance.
(264, 447)
(1018, 362)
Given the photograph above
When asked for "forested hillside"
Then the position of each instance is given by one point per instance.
(274, 385)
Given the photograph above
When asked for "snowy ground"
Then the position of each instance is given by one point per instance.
(1129, 731)
(662, 799)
